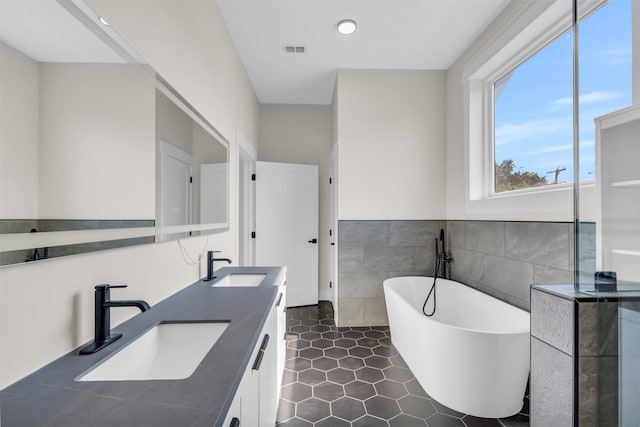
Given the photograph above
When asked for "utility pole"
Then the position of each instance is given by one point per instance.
(557, 172)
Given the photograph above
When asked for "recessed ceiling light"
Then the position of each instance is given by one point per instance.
(104, 22)
(347, 26)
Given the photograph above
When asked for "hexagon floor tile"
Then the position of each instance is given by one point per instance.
(354, 377)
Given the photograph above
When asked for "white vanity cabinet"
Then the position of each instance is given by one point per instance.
(256, 400)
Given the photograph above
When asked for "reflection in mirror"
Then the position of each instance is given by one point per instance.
(192, 166)
(80, 129)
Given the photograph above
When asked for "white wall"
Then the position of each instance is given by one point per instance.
(65, 127)
(455, 164)
(188, 44)
(172, 124)
(97, 142)
(302, 134)
(391, 144)
(49, 302)
(18, 134)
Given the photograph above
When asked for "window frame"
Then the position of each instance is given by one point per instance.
(535, 26)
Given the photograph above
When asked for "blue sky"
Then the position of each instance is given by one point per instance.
(533, 113)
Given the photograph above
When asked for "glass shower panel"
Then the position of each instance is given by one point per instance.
(608, 218)
(608, 214)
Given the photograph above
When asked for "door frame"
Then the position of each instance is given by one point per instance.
(246, 155)
(333, 224)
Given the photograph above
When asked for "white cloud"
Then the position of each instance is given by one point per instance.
(552, 149)
(588, 143)
(618, 56)
(589, 98)
(558, 148)
(508, 133)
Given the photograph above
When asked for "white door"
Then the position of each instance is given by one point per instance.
(176, 169)
(287, 226)
(213, 193)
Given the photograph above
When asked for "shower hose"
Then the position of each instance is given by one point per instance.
(432, 291)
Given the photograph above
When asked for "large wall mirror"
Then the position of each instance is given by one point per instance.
(97, 151)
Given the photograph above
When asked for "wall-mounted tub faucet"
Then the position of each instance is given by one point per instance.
(442, 258)
(210, 261)
(102, 316)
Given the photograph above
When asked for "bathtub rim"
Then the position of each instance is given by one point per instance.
(460, 328)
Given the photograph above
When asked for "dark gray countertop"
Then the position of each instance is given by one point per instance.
(626, 291)
(52, 397)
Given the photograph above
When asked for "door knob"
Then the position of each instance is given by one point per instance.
(314, 240)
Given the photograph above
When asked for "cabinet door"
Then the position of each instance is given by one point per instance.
(268, 372)
(250, 391)
(234, 411)
(245, 405)
(256, 400)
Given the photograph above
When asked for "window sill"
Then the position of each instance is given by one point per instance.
(540, 204)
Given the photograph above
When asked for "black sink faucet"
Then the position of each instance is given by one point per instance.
(103, 304)
(210, 261)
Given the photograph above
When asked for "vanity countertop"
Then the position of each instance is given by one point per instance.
(52, 397)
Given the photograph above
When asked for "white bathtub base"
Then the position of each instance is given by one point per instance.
(472, 356)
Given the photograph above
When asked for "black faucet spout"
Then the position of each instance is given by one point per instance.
(210, 260)
(141, 305)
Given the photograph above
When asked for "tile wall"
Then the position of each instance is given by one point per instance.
(500, 258)
(370, 252)
(503, 259)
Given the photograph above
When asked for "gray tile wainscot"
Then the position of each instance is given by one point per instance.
(51, 396)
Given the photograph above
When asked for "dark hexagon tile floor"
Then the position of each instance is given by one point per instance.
(354, 377)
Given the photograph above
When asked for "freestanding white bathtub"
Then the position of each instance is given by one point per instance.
(472, 355)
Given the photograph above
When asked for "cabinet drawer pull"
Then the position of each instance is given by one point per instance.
(279, 300)
(258, 361)
(265, 342)
(235, 422)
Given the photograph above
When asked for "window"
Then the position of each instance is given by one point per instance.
(533, 105)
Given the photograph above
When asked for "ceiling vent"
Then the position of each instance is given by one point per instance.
(294, 49)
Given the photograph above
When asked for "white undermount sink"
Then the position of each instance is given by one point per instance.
(168, 351)
(239, 279)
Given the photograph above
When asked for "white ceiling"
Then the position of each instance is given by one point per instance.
(46, 32)
(391, 34)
